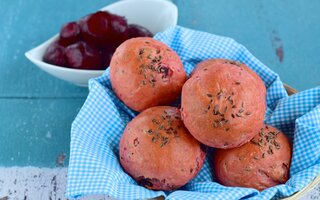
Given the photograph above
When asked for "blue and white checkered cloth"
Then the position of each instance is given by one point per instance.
(94, 166)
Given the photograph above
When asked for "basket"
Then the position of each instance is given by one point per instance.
(94, 167)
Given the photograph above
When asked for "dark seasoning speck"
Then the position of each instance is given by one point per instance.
(219, 113)
(167, 129)
(155, 65)
(269, 139)
(232, 62)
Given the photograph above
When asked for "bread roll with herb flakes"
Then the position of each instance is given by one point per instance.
(223, 103)
(145, 72)
(158, 151)
(261, 163)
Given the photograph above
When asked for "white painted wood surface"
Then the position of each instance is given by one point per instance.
(32, 183)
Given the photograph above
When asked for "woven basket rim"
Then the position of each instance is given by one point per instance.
(305, 190)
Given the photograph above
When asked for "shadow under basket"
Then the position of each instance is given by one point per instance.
(290, 90)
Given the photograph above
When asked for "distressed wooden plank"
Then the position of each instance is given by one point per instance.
(33, 183)
(314, 194)
(271, 30)
(24, 25)
(36, 183)
(45, 183)
(36, 131)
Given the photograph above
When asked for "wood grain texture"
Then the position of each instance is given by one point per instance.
(33, 183)
(36, 131)
(37, 184)
(284, 35)
(36, 110)
(24, 25)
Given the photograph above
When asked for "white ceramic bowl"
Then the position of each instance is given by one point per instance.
(155, 15)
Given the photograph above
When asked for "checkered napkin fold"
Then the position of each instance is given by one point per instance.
(94, 166)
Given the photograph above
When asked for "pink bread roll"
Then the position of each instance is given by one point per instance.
(223, 103)
(158, 151)
(145, 72)
(264, 162)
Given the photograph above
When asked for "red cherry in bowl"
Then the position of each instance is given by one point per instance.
(70, 33)
(106, 56)
(82, 55)
(55, 54)
(119, 29)
(135, 30)
(96, 28)
(91, 42)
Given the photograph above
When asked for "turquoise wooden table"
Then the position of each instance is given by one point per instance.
(36, 110)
